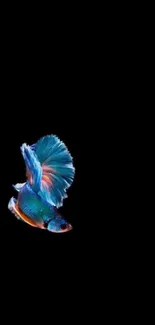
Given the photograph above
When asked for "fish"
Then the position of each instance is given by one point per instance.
(49, 174)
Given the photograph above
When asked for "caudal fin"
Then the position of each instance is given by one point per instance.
(57, 169)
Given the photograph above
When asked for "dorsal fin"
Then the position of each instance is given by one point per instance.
(57, 169)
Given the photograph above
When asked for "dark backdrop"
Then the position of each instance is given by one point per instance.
(28, 126)
(44, 90)
(30, 111)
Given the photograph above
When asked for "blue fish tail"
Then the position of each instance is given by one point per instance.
(34, 171)
(57, 169)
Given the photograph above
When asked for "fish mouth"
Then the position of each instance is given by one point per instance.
(67, 228)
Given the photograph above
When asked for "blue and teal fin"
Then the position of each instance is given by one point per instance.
(57, 169)
(18, 186)
(34, 171)
(12, 207)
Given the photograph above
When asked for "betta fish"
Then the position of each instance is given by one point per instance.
(49, 172)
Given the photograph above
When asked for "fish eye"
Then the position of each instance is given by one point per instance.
(63, 226)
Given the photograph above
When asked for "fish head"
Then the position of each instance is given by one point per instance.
(59, 225)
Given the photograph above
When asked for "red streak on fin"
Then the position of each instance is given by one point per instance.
(47, 176)
(47, 179)
(46, 169)
(29, 176)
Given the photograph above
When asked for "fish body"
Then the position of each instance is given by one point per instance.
(50, 173)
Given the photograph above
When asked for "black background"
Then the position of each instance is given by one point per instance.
(28, 126)
(39, 98)
(49, 86)
(29, 131)
(64, 77)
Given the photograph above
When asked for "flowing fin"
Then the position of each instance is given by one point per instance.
(33, 146)
(14, 208)
(57, 169)
(18, 186)
(33, 168)
(11, 207)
